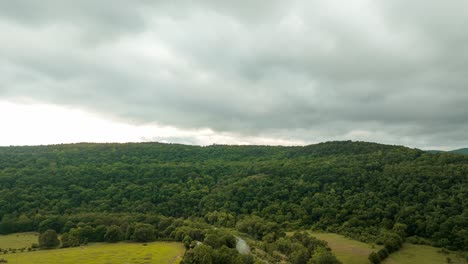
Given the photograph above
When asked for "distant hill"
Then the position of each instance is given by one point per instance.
(456, 151)
(460, 151)
(433, 151)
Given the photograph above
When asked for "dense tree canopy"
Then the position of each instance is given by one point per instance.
(357, 188)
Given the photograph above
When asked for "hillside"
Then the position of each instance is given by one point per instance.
(456, 151)
(460, 151)
(355, 188)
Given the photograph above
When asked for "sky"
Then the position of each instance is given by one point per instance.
(234, 72)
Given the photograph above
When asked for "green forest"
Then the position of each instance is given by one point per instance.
(148, 191)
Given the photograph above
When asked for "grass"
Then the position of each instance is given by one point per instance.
(18, 240)
(104, 253)
(350, 251)
(347, 250)
(410, 254)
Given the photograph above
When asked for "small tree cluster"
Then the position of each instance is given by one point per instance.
(392, 241)
(49, 239)
(301, 248)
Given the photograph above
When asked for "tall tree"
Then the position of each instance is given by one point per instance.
(49, 239)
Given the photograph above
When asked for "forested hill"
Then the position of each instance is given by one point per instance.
(356, 188)
(456, 151)
(460, 151)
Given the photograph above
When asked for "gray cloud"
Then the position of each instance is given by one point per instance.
(390, 71)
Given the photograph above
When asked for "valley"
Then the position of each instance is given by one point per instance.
(189, 203)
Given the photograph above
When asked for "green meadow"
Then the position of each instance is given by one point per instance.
(347, 250)
(411, 254)
(350, 251)
(95, 253)
(18, 240)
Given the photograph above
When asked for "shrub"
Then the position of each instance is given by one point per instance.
(374, 258)
(49, 239)
(144, 233)
(113, 234)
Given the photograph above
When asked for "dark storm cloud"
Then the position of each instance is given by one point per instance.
(390, 71)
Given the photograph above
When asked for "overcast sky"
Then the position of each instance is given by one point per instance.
(237, 72)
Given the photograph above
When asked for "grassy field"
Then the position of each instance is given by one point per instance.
(18, 240)
(104, 253)
(354, 252)
(347, 250)
(410, 254)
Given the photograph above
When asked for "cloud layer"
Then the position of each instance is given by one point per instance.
(392, 71)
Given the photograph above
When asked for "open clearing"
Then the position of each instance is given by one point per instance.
(18, 240)
(410, 254)
(354, 252)
(104, 253)
(347, 250)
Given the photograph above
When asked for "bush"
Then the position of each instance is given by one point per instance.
(248, 259)
(323, 256)
(300, 256)
(217, 239)
(383, 253)
(144, 233)
(49, 239)
(418, 240)
(113, 234)
(374, 258)
(69, 241)
(187, 242)
(226, 255)
(200, 254)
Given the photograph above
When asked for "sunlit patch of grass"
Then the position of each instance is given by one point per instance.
(18, 240)
(350, 251)
(410, 254)
(104, 253)
(347, 250)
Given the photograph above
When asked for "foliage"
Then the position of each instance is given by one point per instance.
(200, 254)
(218, 247)
(323, 256)
(354, 188)
(144, 233)
(391, 240)
(113, 234)
(216, 239)
(374, 258)
(301, 248)
(49, 239)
